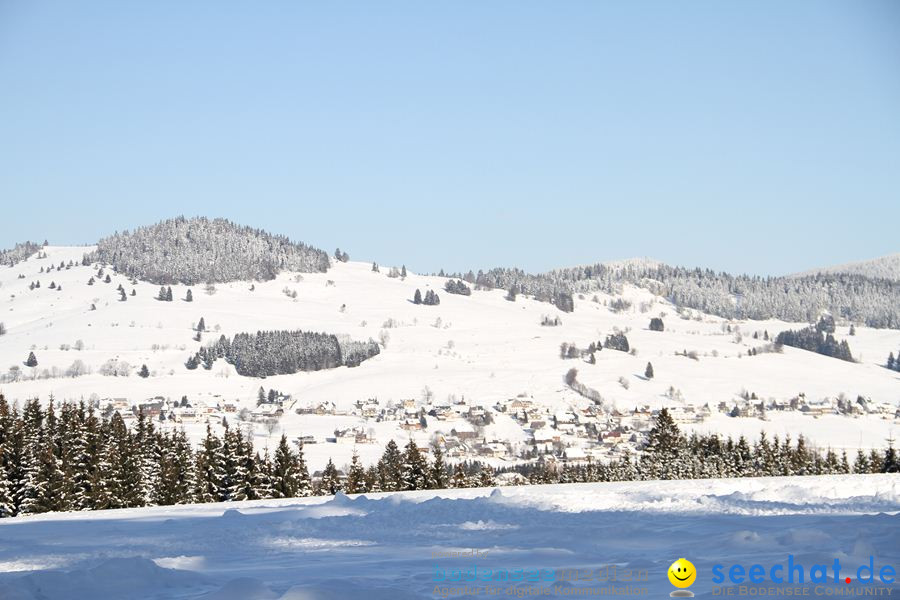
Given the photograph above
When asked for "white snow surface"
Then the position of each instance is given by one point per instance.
(388, 546)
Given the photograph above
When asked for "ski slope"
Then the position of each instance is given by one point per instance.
(481, 349)
(388, 546)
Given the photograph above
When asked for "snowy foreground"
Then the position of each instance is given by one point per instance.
(388, 546)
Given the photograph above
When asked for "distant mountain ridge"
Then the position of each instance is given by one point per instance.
(874, 301)
(201, 250)
(884, 267)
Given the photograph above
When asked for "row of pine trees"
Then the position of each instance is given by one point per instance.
(68, 458)
(669, 454)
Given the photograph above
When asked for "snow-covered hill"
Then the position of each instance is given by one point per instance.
(447, 362)
(400, 546)
(886, 267)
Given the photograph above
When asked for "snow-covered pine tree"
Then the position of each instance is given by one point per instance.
(331, 482)
(239, 467)
(373, 481)
(390, 468)
(7, 504)
(861, 464)
(663, 455)
(209, 485)
(485, 477)
(459, 479)
(414, 469)
(356, 476)
(285, 482)
(437, 473)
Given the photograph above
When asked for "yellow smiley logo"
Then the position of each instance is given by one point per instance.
(682, 573)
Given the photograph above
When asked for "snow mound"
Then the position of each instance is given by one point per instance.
(121, 578)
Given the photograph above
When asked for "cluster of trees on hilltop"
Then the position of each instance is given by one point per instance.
(201, 250)
(69, 458)
(18, 253)
(892, 362)
(266, 353)
(457, 286)
(430, 299)
(815, 341)
(873, 301)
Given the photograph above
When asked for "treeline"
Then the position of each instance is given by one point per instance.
(669, 454)
(200, 250)
(870, 300)
(814, 340)
(68, 458)
(267, 353)
(13, 256)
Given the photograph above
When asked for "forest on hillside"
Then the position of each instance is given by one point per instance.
(201, 250)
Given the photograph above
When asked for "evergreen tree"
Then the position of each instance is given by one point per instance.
(663, 455)
(356, 476)
(144, 372)
(391, 468)
(876, 461)
(169, 294)
(486, 477)
(304, 482)
(263, 481)
(861, 464)
(437, 476)
(459, 478)
(414, 469)
(209, 483)
(417, 297)
(7, 504)
(201, 326)
(31, 361)
(189, 296)
(285, 471)
(331, 482)
(890, 463)
(373, 483)
(648, 372)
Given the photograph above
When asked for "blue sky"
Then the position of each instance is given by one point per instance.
(759, 137)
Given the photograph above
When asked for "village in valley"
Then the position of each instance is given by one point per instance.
(581, 432)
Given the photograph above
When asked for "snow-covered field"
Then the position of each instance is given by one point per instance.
(482, 348)
(392, 546)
